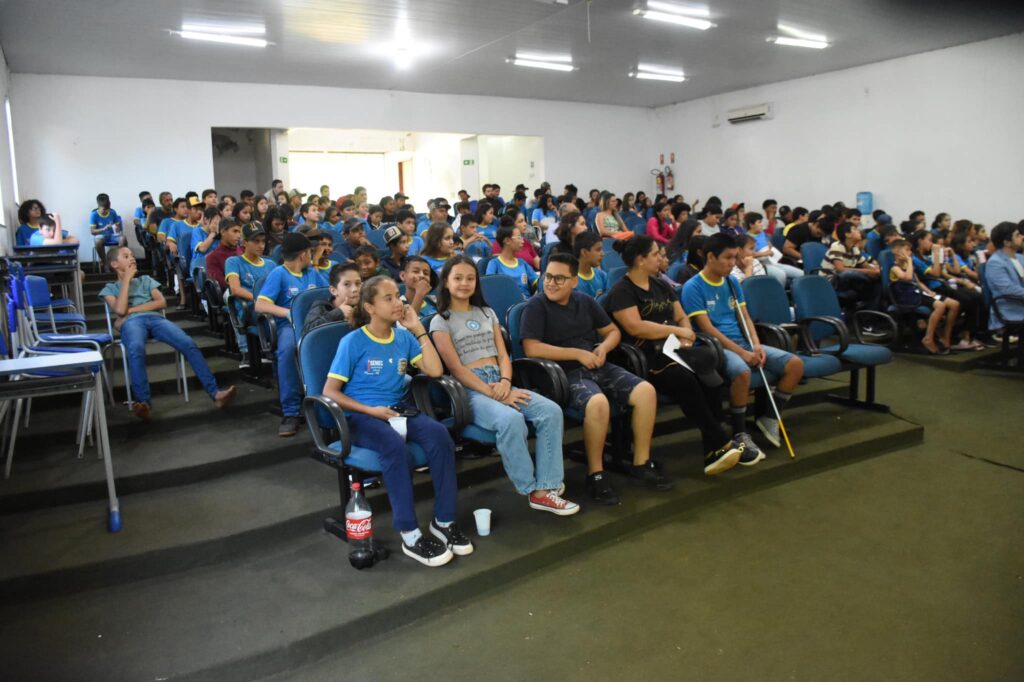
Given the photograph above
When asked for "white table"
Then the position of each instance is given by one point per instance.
(91, 361)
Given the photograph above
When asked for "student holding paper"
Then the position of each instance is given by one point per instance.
(651, 318)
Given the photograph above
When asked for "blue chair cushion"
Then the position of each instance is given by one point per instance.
(817, 366)
(862, 354)
(479, 434)
(101, 339)
(369, 460)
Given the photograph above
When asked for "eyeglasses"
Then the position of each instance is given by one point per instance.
(557, 280)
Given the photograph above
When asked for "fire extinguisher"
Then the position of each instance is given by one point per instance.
(659, 180)
(670, 181)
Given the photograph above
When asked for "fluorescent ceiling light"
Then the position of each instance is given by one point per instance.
(656, 68)
(799, 42)
(679, 19)
(223, 38)
(542, 57)
(800, 33)
(689, 10)
(658, 77)
(225, 29)
(534, 64)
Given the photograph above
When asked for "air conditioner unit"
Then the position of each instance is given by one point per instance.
(751, 113)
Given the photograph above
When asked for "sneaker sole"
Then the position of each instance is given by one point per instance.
(432, 562)
(760, 456)
(557, 512)
(774, 440)
(458, 551)
(723, 463)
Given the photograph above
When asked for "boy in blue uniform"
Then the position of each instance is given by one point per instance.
(136, 301)
(713, 300)
(589, 250)
(139, 217)
(510, 240)
(105, 226)
(282, 285)
(406, 220)
(167, 229)
(241, 274)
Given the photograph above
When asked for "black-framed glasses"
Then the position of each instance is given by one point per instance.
(557, 280)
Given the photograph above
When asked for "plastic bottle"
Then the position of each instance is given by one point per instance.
(359, 528)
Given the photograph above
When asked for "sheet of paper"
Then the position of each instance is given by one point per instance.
(670, 347)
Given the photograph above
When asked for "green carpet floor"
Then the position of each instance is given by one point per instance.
(903, 567)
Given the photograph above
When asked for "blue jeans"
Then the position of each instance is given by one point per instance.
(510, 426)
(377, 435)
(134, 333)
(774, 368)
(288, 386)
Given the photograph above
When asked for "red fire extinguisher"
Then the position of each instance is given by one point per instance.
(659, 180)
(670, 181)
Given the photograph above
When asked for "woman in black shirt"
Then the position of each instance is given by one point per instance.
(648, 311)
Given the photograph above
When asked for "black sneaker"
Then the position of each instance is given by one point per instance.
(429, 551)
(452, 537)
(600, 490)
(751, 453)
(289, 427)
(650, 475)
(724, 458)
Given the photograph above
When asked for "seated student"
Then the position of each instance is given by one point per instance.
(323, 250)
(929, 266)
(168, 226)
(694, 259)
(106, 227)
(136, 301)
(227, 246)
(375, 218)
(798, 216)
(769, 256)
(51, 234)
(571, 329)
(205, 236)
(139, 216)
(276, 228)
(473, 244)
(32, 214)
(367, 379)
(545, 218)
(908, 290)
(1004, 272)
(677, 249)
(850, 270)
(661, 227)
(438, 245)
(487, 220)
(570, 225)
(462, 210)
(506, 263)
(353, 233)
(406, 220)
(344, 287)
(527, 253)
(962, 244)
(608, 221)
(367, 259)
(283, 283)
(309, 214)
(730, 224)
(712, 218)
(799, 233)
(419, 280)
(333, 221)
(241, 272)
(398, 247)
(468, 338)
(589, 251)
(663, 266)
(747, 263)
(714, 300)
(648, 312)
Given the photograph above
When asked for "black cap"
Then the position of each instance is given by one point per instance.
(251, 230)
(399, 195)
(521, 187)
(293, 244)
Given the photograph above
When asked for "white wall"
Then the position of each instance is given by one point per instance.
(509, 160)
(236, 169)
(938, 131)
(70, 145)
(8, 213)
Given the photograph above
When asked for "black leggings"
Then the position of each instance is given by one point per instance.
(699, 403)
(972, 306)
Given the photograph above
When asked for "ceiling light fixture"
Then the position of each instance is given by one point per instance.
(225, 29)
(799, 42)
(223, 38)
(681, 15)
(535, 64)
(800, 33)
(654, 72)
(544, 57)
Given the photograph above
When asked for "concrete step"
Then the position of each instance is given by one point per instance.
(296, 600)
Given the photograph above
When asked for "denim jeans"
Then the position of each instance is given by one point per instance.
(510, 426)
(376, 434)
(288, 387)
(134, 333)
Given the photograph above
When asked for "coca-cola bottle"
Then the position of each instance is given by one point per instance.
(359, 528)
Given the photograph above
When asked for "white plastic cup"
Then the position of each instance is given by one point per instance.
(399, 425)
(483, 521)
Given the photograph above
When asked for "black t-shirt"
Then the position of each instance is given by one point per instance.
(157, 216)
(573, 325)
(654, 305)
(798, 235)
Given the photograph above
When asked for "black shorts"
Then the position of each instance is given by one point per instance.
(612, 380)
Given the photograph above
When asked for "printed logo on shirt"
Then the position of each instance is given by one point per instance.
(293, 291)
(374, 367)
(403, 365)
(472, 325)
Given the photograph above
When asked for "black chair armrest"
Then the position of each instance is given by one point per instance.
(999, 313)
(309, 409)
(876, 317)
(630, 358)
(774, 335)
(541, 376)
(424, 388)
(838, 325)
(711, 341)
(266, 328)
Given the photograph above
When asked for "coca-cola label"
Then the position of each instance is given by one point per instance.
(359, 529)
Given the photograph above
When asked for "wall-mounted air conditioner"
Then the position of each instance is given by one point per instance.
(751, 113)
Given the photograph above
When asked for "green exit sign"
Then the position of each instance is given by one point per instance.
(283, 159)
(468, 162)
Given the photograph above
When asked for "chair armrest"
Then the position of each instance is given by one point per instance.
(774, 335)
(1009, 299)
(630, 358)
(838, 325)
(309, 410)
(229, 305)
(876, 318)
(541, 376)
(266, 327)
(424, 388)
(711, 341)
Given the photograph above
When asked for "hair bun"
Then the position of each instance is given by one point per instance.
(620, 245)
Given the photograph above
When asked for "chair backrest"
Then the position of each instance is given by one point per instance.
(302, 303)
(766, 300)
(612, 259)
(589, 215)
(501, 293)
(481, 265)
(515, 328)
(213, 293)
(812, 253)
(778, 239)
(37, 292)
(275, 254)
(615, 274)
(873, 247)
(316, 351)
(814, 296)
(545, 254)
(376, 238)
(885, 262)
(635, 223)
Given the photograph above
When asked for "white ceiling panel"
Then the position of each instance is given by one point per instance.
(461, 46)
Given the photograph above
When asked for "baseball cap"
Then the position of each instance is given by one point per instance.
(194, 201)
(884, 219)
(392, 234)
(399, 195)
(441, 202)
(521, 187)
(351, 224)
(293, 244)
(252, 230)
(296, 193)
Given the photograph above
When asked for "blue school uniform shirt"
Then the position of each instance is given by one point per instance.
(521, 272)
(761, 241)
(247, 271)
(435, 263)
(718, 301)
(198, 235)
(921, 264)
(283, 285)
(107, 222)
(416, 246)
(489, 231)
(596, 286)
(539, 215)
(31, 236)
(372, 369)
(140, 215)
(167, 226)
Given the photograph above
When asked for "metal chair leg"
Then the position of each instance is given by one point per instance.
(127, 377)
(28, 412)
(184, 377)
(14, 438)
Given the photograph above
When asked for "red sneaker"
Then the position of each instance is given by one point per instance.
(141, 410)
(549, 501)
